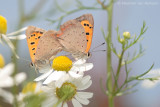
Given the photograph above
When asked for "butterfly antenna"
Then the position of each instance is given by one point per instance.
(99, 51)
(97, 46)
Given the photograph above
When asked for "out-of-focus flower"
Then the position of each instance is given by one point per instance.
(6, 80)
(126, 35)
(5, 76)
(70, 90)
(2, 62)
(7, 37)
(31, 95)
(151, 84)
(3, 25)
(64, 69)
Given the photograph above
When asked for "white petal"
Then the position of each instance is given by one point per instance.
(76, 75)
(7, 70)
(82, 101)
(83, 67)
(7, 96)
(49, 102)
(56, 75)
(19, 37)
(83, 87)
(150, 84)
(38, 87)
(20, 77)
(10, 44)
(65, 105)
(86, 79)
(85, 95)
(62, 80)
(79, 62)
(17, 32)
(76, 103)
(43, 76)
(8, 82)
(45, 69)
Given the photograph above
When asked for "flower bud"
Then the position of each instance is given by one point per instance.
(122, 41)
(126, 35)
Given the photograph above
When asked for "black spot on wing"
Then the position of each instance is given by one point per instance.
(32, 43)
(33, 48)
(87, 33)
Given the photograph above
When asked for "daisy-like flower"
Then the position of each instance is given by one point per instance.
(64, 69)
(152, 83)
(7, 37)
(6, 79)
(70, 90)
(31, 95)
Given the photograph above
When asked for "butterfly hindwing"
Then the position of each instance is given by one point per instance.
(33, 36)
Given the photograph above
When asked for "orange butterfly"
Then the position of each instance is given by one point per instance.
(74, 36)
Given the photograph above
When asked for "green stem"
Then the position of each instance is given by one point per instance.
(109, 10)
(59, 101)
(118, 69)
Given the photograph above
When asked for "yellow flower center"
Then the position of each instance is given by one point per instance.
(30, 87)
(2, 63)
(62, 63)
(3, 25)
(66, 92)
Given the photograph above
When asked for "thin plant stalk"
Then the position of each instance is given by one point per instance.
(109, 82)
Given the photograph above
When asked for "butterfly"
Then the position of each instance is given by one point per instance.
(74, 36)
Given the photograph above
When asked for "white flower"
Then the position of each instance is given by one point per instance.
(76, 71)
(6, 80)
(70, 90)
(153, 83)
(30, 89)
(5, 76)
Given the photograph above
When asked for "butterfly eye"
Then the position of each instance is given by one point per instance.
(31, 64)
(89, 54)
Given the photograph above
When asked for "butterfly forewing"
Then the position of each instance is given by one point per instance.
(48, 46)
(33, 36)
(76, 35)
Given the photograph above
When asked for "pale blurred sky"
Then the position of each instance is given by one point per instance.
(128, 14)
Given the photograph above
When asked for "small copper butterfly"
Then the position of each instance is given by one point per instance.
(74, 36)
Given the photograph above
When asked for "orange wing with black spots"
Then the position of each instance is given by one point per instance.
(33, 36)
(89, 33)
(76, 35)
